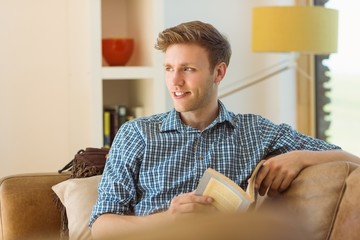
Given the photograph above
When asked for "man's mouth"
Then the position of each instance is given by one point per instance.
(179, 94)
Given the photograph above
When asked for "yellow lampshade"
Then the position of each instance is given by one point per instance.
(295, 29)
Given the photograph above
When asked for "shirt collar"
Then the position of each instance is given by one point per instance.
(173, 121)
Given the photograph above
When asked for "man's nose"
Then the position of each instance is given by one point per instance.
(177, 78)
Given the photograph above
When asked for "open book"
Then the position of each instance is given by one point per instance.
(227, 195)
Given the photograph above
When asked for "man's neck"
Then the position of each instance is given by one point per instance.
(200, 119)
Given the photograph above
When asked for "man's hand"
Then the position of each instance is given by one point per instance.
(278, 172)
(190, 203)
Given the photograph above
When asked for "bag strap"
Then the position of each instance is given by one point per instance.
(69, 165)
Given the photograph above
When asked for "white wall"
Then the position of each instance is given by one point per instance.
(44, 79)
(33, 85)
(48, 87)
(275, 98)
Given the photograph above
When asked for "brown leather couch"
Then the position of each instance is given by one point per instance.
(324, 200)
(27, 206)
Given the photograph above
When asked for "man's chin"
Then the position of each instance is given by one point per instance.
(181, 109)
(183, 106)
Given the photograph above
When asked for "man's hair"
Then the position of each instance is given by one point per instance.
(203, 34)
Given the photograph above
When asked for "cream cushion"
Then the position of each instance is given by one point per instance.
(78, 195)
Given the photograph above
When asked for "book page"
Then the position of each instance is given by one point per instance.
(251, 181)
(224, 199)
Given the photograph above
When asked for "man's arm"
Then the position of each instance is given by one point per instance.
(112, 226)
(279, 171)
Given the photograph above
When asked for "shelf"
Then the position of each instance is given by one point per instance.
(139, 84)
(126, 73)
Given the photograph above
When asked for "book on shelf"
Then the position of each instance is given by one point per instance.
(114, 117)
(107, 127)
(227, 195)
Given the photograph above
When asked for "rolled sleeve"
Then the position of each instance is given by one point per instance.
(283, 138)
(116, 191)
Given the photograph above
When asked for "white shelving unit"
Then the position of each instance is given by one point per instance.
(140, 83)
(118, 73)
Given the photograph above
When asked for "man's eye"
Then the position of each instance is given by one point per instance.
(189, 69)
(168, 69)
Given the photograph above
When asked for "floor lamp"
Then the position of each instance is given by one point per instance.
(293, 29)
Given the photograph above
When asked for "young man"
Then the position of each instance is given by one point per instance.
(155, 162)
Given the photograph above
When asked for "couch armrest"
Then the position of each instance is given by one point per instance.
(319, 195)
(27, 206)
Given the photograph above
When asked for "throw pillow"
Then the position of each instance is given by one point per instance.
(78, 195)
(86, 163)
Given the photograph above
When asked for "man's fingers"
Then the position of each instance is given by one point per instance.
(276, 180)
(262, 181)
(197, 207)
(201, 199)
(189, 197)
(287, 181)
(275, 185)
(189, 202)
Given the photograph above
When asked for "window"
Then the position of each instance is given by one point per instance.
(338, 99)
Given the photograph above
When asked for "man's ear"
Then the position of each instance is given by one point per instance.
(220, 71)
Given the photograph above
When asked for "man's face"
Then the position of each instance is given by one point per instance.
(192, 86)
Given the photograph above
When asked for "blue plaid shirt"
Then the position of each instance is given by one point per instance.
(155, 158)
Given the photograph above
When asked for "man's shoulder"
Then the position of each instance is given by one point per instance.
(155, 119)
(249, 121)
(247, 118)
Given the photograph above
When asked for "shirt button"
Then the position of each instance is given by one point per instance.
(201, 158)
